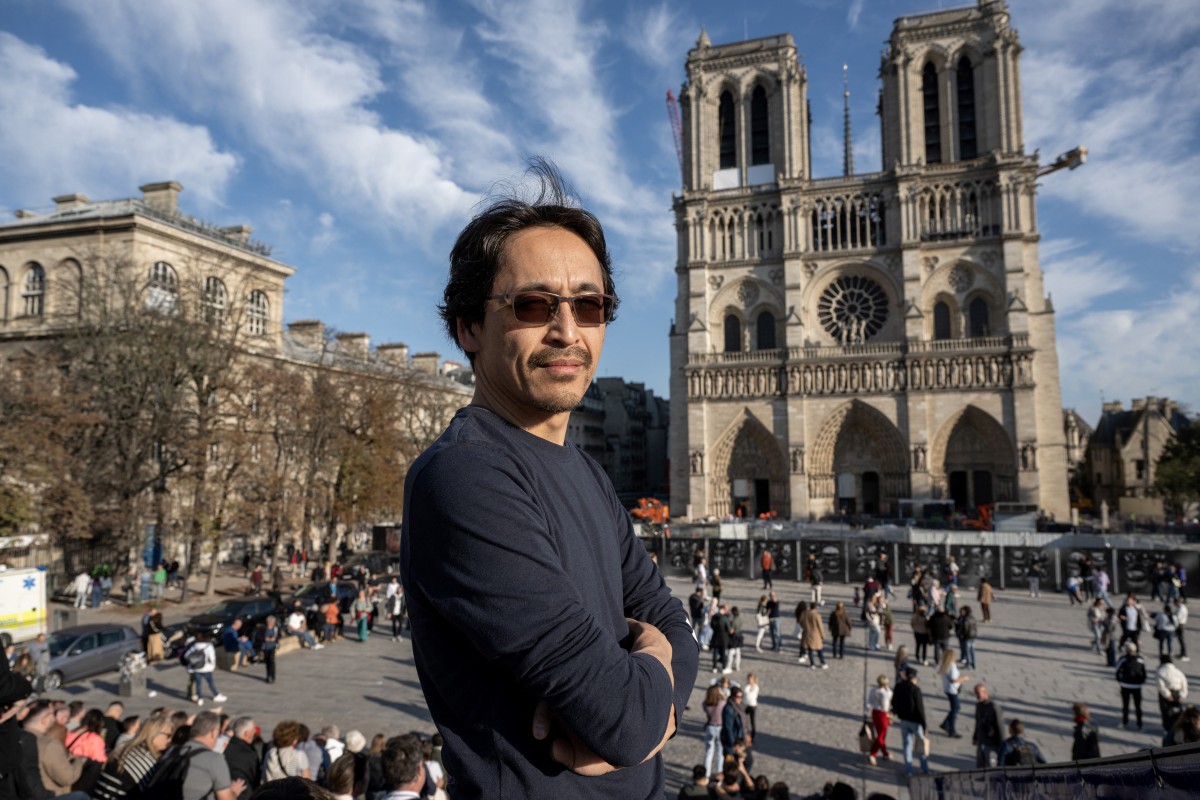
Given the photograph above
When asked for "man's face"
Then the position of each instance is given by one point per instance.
(526, 372)
(736, 697)
(981, 694)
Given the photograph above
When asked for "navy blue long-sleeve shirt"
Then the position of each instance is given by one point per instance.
(520, 567)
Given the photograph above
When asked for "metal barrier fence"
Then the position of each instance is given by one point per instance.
(1168, 773)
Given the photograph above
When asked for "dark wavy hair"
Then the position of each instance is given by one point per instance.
(478, 254)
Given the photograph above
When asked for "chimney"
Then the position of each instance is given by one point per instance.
(393, 353)
(239, 233)
(70, 202)
(427, 362)
(163, 196)
(1112, 407)
(1138, 404)
(24, 213)
(354, 345)
(308, 333)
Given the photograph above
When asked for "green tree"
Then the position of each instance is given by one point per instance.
(1177, 476)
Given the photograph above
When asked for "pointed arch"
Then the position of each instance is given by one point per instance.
(727, 130)
(760, 127)
(4, 290)
(858, 440)
(933, 118)
(973, 460)
(748, 451)
(965, 101)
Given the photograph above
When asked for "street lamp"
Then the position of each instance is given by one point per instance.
(1072, 159)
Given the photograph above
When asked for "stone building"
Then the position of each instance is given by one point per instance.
(1124, 450)
(843, 343)
(623, 426)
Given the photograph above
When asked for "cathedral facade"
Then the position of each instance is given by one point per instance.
(842, 344)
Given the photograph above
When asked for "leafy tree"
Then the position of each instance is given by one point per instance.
(1177, 475)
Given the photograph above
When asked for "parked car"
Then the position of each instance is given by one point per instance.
(87, 650)
(313, 595)
(252, 611)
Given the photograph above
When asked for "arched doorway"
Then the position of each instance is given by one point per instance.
(861, 454)
(977, 461)
(749, 471)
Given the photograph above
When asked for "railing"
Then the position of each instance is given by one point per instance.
(1167, 772)
(1016, 341)
(739, 357)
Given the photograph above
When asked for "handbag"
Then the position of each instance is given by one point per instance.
(866, 736)
(925, 746)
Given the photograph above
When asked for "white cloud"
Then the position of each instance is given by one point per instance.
(54, 145)
(658, 35)
(1076, 277)
(302, 97)
(854, 12)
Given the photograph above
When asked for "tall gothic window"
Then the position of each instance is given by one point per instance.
(933, 130)
(733, 334)
(257, 311)
(726, 122)
(3, 296)
(766, 331)
(214, 300)
(163, 292)
(760, 136)
(978, 313)
(967, 146)
(34, 291)
(941, 321)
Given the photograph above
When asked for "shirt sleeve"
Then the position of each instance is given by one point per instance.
(490, 565)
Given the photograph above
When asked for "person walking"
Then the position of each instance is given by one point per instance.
(812, 638)
(879, 708)
(1131, 616)
(920, 627)
(733, 724)
(767, 563)
(256, 579)
(201, 660)
(714, 708)
(940, 626)
(269, 645)
(909, 707)
(773, 621)
(81, 584)
(1017, 750)
(952, 681)
(985, 596)
(816, 580)
(967, 632)
(1102, 582)
(1131, 675)
(736, 639)
(395, 608)
(762, 621)
(873, 614)
(715, 584)
(1095, 620)
(1108, 636)
(840, 627)
(1181, 617)
(696, 605)
(1086, 743)
(1172, 691)
(720, 640)
(751, 690)
(1034, 573)
(988, 737)
(362, 613)
(1165, 626)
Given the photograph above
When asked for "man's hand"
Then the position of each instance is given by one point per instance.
(650, 640)
(238, 786)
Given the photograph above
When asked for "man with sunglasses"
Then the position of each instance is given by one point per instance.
(552, 656)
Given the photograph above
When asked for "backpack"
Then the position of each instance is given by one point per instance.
(1131, 670)
(194, 658)
(1021, 755)
(166, 782)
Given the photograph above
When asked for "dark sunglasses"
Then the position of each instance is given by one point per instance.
(539, 308)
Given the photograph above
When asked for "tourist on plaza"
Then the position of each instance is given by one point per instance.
(967, 632)
(952, 682)
(696, 606)
(1172, 691)
(1074, 589)
(1096, 614)
(1158, 582)
(699, 787)
(761, 621)
(297, 626)
(900, 664)
(1179, 605)
(1131, 675)
(750, 692)
(1186, 729)
(936, 596)
(1017, 750)
(201, 660)
(879, 709)
(714, 708)
(734, 730)
(840, 627)
(1086, 739)
(736, 639)
(1034, 573)
(909, 707)
(816, 579)
(798, 629)
(132, 763)
(241, 756)
(985, 596)
(87, 741)
(767, 563)
(721, 636)
(57, 769)
(916, 587)
(232, 641)
(988, 737)
(941, 625)
(1108, 636)
(1132, 619)
(1102, 582)
(277, 580)
(773, 621)
(700, 576)
(950, 573)
(873, 614)
(950, 602)
(256, 579)
(1165, 625)
(883, 576)
(706, 630)
(812, 639)
(715, 585)
(396, 611)
(269, 645)
(159, 581)
(206, 773)
(285, 759)
(81, 585)
(331, 624)
(553, 601)
(1087, 577)
(920, 627)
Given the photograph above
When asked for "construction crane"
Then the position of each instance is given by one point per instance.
(676, 128)
(1072, 159)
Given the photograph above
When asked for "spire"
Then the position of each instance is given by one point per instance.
(703, 41)
(848, 157)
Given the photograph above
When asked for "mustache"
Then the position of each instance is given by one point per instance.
(544, 358)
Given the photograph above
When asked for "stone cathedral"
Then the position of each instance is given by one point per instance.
(841, 344)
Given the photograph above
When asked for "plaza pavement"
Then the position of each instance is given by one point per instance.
(1035, 655)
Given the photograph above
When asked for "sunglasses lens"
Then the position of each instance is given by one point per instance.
(591, 310)
(533, 308)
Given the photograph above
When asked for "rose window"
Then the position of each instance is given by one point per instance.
(852, 309)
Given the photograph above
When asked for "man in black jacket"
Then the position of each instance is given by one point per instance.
(909, 706)
(940, 627)
(13, 691)
(989, 729)
(241, 756)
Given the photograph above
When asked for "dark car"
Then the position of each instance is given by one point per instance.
(87, 650)
(313, 596)
(252, 611)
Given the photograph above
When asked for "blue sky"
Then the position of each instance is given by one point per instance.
(356, 137)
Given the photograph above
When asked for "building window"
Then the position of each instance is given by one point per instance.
(3, 297)
(760, 136)
(34, 292)
(766, 331)
(163, 292)
(257, 310)
(733, 334)
(1139, 469)
(978, 312)
(852, 309)
(933, 131)
(726, 124)
(213, 304)
(967, 147)
(941, 321)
